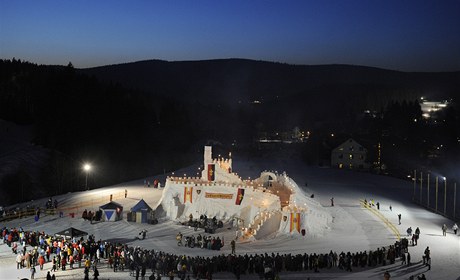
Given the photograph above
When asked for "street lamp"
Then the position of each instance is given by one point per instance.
(445, 194)
(87, 168)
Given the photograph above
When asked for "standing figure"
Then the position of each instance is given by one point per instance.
(96, 273)
(428, 257)
(455, 228)
(332, 202)
(32, 272)
(179, 239)
(417, 235)
(444, 229)
(399, 218)
(86, 272)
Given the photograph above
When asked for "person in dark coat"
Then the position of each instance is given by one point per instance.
(96, 273)
(427, 257)
(86, 271)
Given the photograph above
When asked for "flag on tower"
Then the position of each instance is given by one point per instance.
(211, 172)
(188, 194)
(295, 222)
(239, 197)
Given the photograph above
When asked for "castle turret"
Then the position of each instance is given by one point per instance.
(207, 155)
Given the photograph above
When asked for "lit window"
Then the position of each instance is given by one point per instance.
(340, 165)
(351, 156)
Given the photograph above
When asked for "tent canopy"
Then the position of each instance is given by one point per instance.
(111, 205)
(141, 205)
(71, 233)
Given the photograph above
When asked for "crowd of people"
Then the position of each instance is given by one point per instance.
(39, 248)
(204, 242)
(208, 224)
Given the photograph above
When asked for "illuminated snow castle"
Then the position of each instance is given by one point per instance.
(269, 205)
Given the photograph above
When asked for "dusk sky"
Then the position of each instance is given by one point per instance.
(408, 35)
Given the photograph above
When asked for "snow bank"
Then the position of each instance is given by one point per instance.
(303, 215)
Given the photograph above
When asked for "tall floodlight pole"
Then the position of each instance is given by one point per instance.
(87, 168)
(415, 184)
(455, 196)
(421, 186)
(428, 191)
(436, 194)
(445, 194)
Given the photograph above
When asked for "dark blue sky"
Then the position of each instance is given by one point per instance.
(408, 35)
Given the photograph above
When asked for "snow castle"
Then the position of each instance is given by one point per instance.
(270, 205)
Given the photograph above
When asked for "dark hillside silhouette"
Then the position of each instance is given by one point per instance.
(232, 80)
(138, 119)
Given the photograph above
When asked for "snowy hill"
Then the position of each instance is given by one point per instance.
(353, 229)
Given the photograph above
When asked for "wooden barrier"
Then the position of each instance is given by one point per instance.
(74, 208)
(389, 224)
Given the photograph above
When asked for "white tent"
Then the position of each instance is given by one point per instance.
(112, 212)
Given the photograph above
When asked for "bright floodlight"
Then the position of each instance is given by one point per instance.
(87, 168)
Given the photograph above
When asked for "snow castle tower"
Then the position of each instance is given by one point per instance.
(263, 205)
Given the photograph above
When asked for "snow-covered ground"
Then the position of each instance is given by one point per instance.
(353, 229)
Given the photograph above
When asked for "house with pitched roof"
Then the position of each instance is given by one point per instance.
(350, 155)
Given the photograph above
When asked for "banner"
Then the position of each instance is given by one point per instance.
(188, 194)
(218, 195)
(295, 222)
(239, 197)
(211, 172)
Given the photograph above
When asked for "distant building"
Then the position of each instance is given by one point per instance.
(349, 155)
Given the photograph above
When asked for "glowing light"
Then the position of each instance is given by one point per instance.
(87, 168)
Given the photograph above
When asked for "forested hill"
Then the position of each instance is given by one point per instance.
(230, 81)
(137, 119)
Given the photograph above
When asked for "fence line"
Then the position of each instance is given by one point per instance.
(389, 224)
(71, 210)
(442, 192)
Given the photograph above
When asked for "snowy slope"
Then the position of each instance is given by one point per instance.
(353, 228)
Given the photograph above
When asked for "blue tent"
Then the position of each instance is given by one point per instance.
(141, 212)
